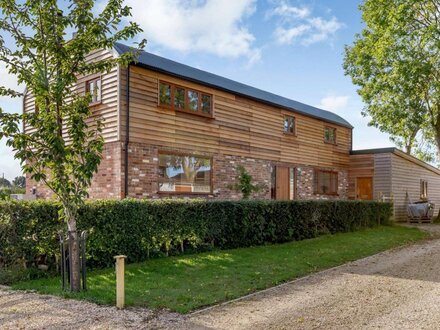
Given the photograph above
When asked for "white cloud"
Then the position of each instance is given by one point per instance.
(297, 24)
(334, 103)
(211, 26)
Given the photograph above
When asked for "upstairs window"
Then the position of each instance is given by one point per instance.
(326, 182)
(93, 87)
(184, 174)
(330, 135)
(185, 99)
(289, 125)
(423, 189)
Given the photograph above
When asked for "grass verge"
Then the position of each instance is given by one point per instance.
(185, 283)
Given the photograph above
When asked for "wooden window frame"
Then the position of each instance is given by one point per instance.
(424, 189)
(178, 153)
(86, 88)
(335, 135)
(316, 182)
(186, 109)
(288, 117)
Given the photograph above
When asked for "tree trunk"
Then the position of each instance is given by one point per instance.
(75, 277)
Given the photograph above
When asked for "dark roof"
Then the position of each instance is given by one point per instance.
(374, 151)
(179, 70)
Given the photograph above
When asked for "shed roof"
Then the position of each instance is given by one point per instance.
(161, 64)
(399, 153)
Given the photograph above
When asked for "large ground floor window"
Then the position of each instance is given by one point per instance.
(185, 174)
(326, 182)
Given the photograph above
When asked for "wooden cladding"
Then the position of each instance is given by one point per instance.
(326, 182)
(240, 126)
(185, 99)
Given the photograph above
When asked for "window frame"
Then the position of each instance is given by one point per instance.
(335, 135)
(187, 108)
(182, 154)
(287, 117)
(316, 182)
(87, 90)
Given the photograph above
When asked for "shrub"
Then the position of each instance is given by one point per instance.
(139, 228)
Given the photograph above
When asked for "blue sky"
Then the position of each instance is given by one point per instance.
(291, 48)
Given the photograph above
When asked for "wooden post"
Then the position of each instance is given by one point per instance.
(120, 289)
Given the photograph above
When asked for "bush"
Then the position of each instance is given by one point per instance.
(139, 229)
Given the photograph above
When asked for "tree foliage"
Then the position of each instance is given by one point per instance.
(395, 62)
(62, 144)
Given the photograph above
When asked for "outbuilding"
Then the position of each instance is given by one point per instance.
(391, 174)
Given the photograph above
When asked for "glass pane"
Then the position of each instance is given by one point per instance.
(179, 98)
(206, 104)
(329, 134)
(98, 90)
(193, 100)
(324, 182)
(184, 174)
(292, 183)
(334, 186)
(164, 94)
(289, 125)
(91, 89)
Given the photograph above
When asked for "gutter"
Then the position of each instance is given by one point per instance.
(127, 129)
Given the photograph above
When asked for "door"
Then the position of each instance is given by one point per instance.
(285, 183)
(364, 188)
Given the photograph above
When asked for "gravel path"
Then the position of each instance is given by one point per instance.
(398, 289)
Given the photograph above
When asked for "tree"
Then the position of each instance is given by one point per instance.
(395, 61)
(63, 148)
(4, 183)
(244, 183)
(19, 181)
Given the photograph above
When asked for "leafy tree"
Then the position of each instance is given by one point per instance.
(5, 183)
(396, 64)
(19, 181)
(244, 183)
(63, 150)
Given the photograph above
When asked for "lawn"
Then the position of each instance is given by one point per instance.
(184, 283)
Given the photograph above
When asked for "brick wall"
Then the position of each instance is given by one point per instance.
(106, 183)
(143, 175)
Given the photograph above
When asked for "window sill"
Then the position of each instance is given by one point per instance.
(330, 143)
(194, 113)
(94, 104)
(171, 193)
(324, 194)
(289, 134)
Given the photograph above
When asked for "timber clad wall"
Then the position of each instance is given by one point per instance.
(240, 126)
(406, 176)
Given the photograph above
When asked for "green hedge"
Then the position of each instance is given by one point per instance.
(138, 229)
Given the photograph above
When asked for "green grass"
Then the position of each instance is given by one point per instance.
(188, 282)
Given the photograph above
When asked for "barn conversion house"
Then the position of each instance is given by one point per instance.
(174, 130)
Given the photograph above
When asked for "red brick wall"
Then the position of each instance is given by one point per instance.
(143, 175)
(106, 183)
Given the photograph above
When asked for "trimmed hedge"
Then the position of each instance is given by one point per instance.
(139, 229)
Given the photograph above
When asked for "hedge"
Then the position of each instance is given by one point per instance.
(140, 229)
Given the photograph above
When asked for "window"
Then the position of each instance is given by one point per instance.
(185, 99)
(289, 125)
(94, 88)
(184, 174)
(326, 182)
(423, 189)
(330, 135)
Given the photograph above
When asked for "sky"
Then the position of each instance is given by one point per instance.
(293, 48)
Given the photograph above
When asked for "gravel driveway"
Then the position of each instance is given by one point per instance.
(398, 289)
